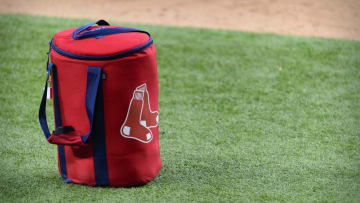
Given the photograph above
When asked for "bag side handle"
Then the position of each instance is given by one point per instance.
(60, 134)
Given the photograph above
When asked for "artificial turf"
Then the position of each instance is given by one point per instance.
(243, 117)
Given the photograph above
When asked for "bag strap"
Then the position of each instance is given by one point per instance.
(86, 26)
(83, 32)
(42, 109)
(61, 134)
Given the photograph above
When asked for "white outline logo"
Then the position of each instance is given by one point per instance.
(141, 129)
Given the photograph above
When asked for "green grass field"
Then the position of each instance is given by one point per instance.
(244, 117)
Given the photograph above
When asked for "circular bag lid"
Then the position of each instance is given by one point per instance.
(100, 42)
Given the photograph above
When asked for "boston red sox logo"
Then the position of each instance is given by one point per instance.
(140, 118)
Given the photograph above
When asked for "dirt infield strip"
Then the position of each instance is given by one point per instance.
(328, 18)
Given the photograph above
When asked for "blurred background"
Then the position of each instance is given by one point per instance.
(335, 18)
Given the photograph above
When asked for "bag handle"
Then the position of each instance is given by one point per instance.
(60, 135)
(98, 32)
(84, 27)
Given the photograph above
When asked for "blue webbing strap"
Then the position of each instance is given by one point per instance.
(84, 27)
(42, 109)
(42, 114)
(101, 31)
(99, 142)
(93, 79)
(93, 100)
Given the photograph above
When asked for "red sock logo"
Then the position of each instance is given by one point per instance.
(140, 118)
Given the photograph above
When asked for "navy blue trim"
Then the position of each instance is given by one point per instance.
(68, 180)
(56, 97)
(42, 112)
(92, 84)
(62, 161)
(99, 143)
(61, 148)
(57, 113)
(107, 57)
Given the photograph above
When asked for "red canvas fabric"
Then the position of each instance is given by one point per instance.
(130, 108)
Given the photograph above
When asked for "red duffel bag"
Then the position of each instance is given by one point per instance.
(104, 89)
